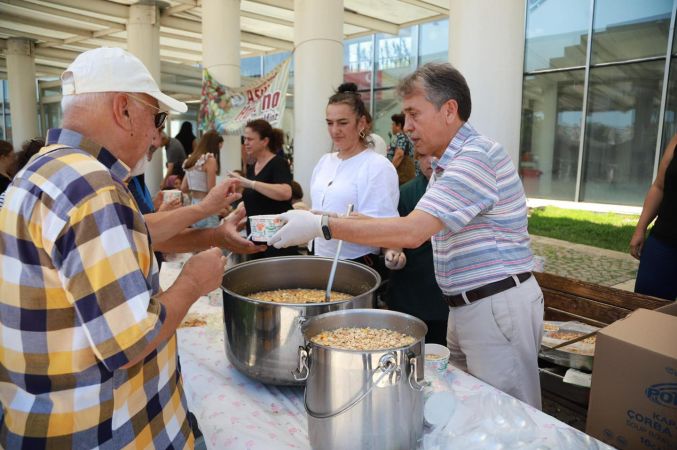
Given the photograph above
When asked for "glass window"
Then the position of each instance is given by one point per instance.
(250, 67)
(630, 29)
(395, 56)
(433, 42)
(550, 137)
(670, 118)
(556, 34)
(357, 61)
(621, 132)
(386, 103)
(270, 61)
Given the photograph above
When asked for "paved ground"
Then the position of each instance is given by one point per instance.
(582, 262)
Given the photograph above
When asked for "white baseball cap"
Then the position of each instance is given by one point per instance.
(111, 69)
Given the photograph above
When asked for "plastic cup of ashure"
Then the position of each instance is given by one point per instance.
(264, 227)
(170, 195)
(436, 359)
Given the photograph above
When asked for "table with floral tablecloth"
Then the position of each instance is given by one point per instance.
(238, 412)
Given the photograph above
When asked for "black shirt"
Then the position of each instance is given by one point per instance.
(275, 172)
(665, 227)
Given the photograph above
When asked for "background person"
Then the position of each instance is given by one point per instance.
(28, 150)
(175, 155)
(657, 253)
(354, 174)
(377, 142)
(401, 151)
(475, 211)
(82, 295)
(186, 137)
(268, 182)
(7, 164)
(200, 169)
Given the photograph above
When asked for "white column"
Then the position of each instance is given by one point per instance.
(143, 40)
(221, 57)
(318, 71)
(23, 100)
(486, 43)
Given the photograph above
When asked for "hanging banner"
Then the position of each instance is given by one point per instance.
(228, 110)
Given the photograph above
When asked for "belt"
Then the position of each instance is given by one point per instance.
(467, 297)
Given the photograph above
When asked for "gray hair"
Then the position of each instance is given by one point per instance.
(440, 82)
(87, 101)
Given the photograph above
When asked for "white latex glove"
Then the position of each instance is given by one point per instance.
(395, 259)
(244, 182)
(300, 227)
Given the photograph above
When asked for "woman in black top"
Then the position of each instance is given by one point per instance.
(7, 163)
(268, 182)
(657, 274)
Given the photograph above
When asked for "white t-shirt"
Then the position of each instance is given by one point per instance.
(379, 144)
(367, 180)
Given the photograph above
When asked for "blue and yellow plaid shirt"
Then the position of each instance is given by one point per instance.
(77, 303)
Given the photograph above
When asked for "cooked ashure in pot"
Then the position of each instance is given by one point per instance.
(298, 296)
(363, 339)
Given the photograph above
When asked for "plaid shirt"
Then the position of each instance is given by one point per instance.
(76, 304)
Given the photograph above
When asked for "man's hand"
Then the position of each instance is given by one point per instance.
(228, 236)
(220, 197)
(205, 270)
(169, 206)
(244, 182)
(395, 259)
(300, 227)
(636, 243)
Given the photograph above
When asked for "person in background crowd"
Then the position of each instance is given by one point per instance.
(186, 137)
(97, 366)
(200, 177)
(657, 253)
(7, 164)
(176, 155)
(476, 213)
(401, 151)
(378, 144)
(297, 196)
(268, 182)
(413, 288)
(354, 174)
(28, 149)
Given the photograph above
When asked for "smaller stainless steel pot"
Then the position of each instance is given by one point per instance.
(363, 399)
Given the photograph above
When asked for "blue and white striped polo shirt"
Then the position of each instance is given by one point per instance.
(476, 192)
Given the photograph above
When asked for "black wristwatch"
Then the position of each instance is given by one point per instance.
(325, 227)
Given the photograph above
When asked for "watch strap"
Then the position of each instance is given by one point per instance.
(326, 232)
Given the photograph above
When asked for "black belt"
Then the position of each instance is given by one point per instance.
(485, 291)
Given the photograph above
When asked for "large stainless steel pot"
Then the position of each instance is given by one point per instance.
(363, 399)
(262, 338)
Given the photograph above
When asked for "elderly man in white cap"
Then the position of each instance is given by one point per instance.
(87, 340)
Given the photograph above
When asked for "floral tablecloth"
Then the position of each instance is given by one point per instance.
(237, 412)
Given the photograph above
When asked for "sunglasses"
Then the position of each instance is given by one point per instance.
(159, 117)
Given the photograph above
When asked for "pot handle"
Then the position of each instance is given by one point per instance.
(413, 382)
(387, 364)
(301, 372)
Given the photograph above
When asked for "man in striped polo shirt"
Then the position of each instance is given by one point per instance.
(475, 211)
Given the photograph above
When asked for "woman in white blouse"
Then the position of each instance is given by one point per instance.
(354, 174)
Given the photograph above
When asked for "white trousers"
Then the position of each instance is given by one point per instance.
(497, 339)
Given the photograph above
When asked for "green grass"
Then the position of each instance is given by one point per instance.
(604, 230)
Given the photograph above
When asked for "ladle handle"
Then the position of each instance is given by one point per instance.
(327, 295)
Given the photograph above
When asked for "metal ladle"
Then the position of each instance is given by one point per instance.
(332, 272)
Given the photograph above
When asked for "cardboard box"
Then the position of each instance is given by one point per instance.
(633, 398)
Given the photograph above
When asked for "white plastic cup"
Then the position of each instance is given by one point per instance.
(436, 359)
(539, 264)
(171, 195)
(264, 227)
